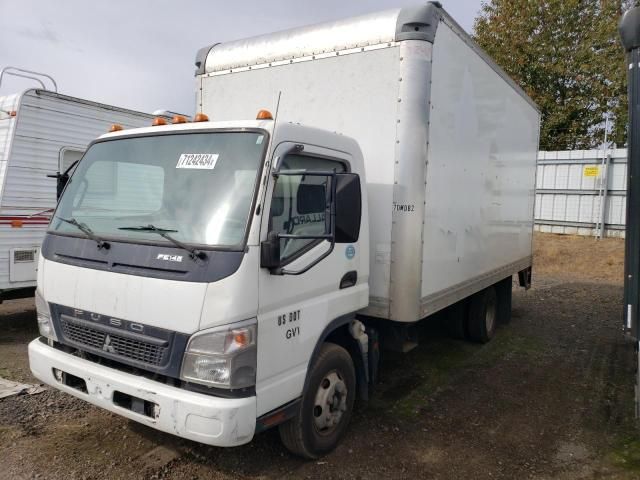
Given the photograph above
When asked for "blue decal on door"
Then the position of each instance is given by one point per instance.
(350, 252)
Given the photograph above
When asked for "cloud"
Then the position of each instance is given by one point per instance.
(44, 34)
(140, 54)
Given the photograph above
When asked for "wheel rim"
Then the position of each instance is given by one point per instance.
(490, 315)
(330, 403)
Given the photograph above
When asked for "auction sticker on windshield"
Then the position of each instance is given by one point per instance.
(203, 161)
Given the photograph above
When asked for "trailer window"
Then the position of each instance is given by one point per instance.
(298, 203)
(68, 156)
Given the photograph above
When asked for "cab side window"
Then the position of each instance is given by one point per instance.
(298, 203)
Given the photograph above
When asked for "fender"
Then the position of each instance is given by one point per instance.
(328, 330)
(289, 410)
(354, 349)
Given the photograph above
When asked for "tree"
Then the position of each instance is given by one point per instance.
(567, 56)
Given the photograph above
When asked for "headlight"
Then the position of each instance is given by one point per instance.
(45, 325)
(224, 357)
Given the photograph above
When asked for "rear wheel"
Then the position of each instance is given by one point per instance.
(456, 318)
(326, 407)
(483, 315)
(504, 293)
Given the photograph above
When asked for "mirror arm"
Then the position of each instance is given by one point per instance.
(62, 178)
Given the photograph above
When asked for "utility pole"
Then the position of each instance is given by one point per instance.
(603, 189)
(630, 35)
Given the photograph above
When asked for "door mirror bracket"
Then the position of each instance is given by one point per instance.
(62, 179)
(270, 252)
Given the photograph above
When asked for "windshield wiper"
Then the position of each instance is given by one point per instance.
(164, 233)
(87, 231)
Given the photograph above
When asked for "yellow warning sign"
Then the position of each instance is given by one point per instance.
(591, 171)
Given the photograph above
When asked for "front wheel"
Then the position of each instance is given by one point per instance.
(326, 406)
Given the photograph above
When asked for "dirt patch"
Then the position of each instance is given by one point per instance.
(18, 327)
(550, 397)
(578, 257)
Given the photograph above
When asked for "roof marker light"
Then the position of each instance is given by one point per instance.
(264, 115)
(200, 117)
(179, 119)
(158, 121)
(115, 128)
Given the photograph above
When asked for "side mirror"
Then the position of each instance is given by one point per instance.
(348, 205)
(270, 252)
(62, 179)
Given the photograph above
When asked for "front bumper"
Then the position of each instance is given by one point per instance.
(210, 420)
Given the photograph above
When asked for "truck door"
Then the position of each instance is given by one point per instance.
(295, 309)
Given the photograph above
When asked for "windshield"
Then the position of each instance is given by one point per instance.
(197, 186)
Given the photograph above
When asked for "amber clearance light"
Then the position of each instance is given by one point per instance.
(200, 117)
(115, 128)
(179, 119)
(158, 121)
(264, 115)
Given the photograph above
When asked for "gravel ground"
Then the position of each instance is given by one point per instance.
(550, 397)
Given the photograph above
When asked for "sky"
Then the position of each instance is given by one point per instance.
(140, 54)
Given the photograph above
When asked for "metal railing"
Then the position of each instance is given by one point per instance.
(30, 74)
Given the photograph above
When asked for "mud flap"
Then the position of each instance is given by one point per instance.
(374, 355)
(524, 278)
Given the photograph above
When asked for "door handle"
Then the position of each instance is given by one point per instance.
(349, 279)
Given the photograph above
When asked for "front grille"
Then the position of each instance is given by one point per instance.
(117, 345)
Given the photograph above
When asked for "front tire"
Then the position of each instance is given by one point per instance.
(326, 407)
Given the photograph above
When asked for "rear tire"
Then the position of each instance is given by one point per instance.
(326, 407)
(483, 315)
(456, 318)
(504, 292)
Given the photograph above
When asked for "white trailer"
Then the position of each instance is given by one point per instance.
(246, 281)
(41, 132)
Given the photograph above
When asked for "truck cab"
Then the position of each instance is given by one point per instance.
(193, 273)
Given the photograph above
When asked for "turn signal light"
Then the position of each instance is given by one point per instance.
(264, 115)
(115, 128)
(200, 117)
(179, 119)
(242, 339)
(158, 121)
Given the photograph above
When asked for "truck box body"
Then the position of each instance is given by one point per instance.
(47, 133)
(449, 143)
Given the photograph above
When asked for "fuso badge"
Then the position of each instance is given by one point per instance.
(350, 252)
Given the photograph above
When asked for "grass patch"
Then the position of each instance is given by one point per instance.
(626, 453)
(508, 344)
(409, 381)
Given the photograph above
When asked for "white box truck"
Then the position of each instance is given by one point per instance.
(41, 132)
(217, 278)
